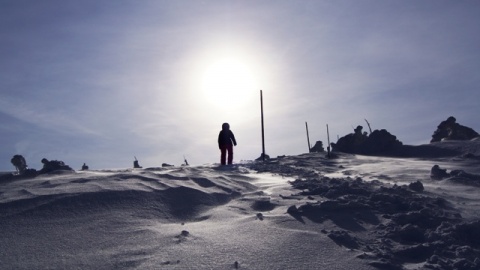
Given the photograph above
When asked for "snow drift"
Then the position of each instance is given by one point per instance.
(302, 212)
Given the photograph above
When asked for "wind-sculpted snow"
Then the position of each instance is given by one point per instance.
(389, 218)
(289, 212)
(176, 193)
(401, 225)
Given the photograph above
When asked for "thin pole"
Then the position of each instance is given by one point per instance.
(328, 140)
(263, 130)
(308, 138)
(370, 128)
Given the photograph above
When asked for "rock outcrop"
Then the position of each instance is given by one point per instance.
(50, 166)
(451, 130)
(377, 143)
(318, 147)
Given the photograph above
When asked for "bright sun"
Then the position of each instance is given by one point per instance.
(228, 80)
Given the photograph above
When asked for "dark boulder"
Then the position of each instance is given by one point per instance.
(437, 173)
(318, 147)
(20, 164)
(416, 186)
(351, 143)
(53, 165)
(451, 130)
(379, 142)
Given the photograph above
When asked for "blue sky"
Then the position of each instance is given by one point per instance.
(103, 81)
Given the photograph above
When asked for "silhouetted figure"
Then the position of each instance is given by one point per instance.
(84, 167)
(226, 141)
(20, 164)
(135, 164)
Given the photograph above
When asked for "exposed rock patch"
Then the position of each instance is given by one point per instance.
(451, 130)
(403, 224)
(379, 142)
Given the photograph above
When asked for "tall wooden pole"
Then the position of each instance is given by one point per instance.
(308, 138)
(328, 145)
(263, 130)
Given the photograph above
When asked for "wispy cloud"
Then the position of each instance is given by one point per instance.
(123, 78)
(40, 118)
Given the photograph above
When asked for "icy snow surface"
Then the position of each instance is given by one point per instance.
(293, 212)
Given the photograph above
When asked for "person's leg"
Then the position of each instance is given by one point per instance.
(230, 153)
(223, 150)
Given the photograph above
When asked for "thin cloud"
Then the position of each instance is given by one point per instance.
(54, 121)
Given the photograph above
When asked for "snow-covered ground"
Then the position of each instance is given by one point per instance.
(290, 212)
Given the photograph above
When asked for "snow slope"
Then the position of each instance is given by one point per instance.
(291, 212)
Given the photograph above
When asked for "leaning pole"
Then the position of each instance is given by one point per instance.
(308, 138)
(263, 130)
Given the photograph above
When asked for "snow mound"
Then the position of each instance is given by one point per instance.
(397, 226)
(176, 193)
(287, 212)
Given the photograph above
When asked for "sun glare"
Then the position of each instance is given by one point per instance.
(229, 81)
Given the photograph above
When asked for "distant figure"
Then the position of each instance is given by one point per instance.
(135, 164)
(226, 141)
(84, 167)
(20, 164)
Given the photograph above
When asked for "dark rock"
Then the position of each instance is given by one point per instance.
(20, 164)
(378, 142)
(318, 147)
(53, 165)
(422, 225)
(385, 265)
(293, 210)
(468, 233)
(352, 142)
(167, 165)
(136, 164)
(451, 130)
(263, 205)
(416, 253)
(408, 234)
(437, 173)
(416, 186)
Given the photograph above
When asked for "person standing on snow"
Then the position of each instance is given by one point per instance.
(226, 141)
